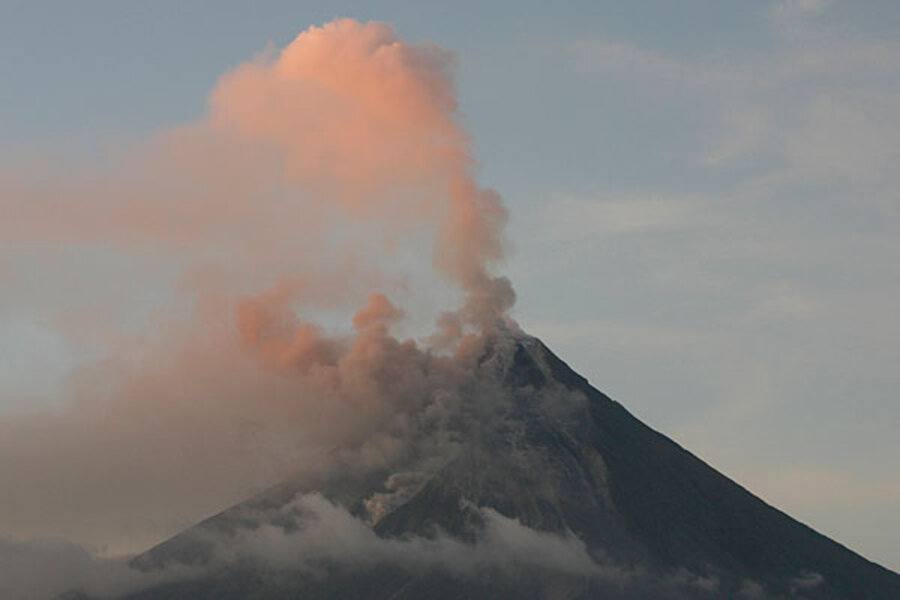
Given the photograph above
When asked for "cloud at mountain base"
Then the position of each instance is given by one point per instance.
(325, 537)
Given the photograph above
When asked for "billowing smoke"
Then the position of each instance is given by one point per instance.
(323, 166)
(330, 179)
(354, 113)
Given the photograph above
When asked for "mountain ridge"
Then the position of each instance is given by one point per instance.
(553, 454)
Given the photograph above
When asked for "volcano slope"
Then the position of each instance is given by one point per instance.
(538, 486)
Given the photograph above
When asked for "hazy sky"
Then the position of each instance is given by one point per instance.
(703, 198)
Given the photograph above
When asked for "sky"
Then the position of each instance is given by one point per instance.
(702, 200)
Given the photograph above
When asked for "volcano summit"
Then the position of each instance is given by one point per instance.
(529, 483)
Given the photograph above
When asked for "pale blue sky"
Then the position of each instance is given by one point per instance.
(703, 195)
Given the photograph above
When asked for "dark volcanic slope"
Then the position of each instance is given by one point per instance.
(687, 513)
(538, 444)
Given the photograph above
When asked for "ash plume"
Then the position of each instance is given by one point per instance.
(295, 374)
(328, 179)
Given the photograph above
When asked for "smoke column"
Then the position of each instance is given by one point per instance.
(317, 181)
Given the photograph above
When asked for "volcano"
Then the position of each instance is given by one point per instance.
(533, 485)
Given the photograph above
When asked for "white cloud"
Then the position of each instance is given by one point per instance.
(748, 129)
(800, 7)
(326, 531)
(849, 134)
(824, 102)
(627, 214)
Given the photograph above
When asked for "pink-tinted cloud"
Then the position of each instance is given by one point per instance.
(324, 179)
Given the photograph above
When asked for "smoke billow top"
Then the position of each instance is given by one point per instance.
(330, 181)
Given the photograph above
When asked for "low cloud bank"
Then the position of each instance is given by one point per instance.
(325, 534)
(322, 536)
